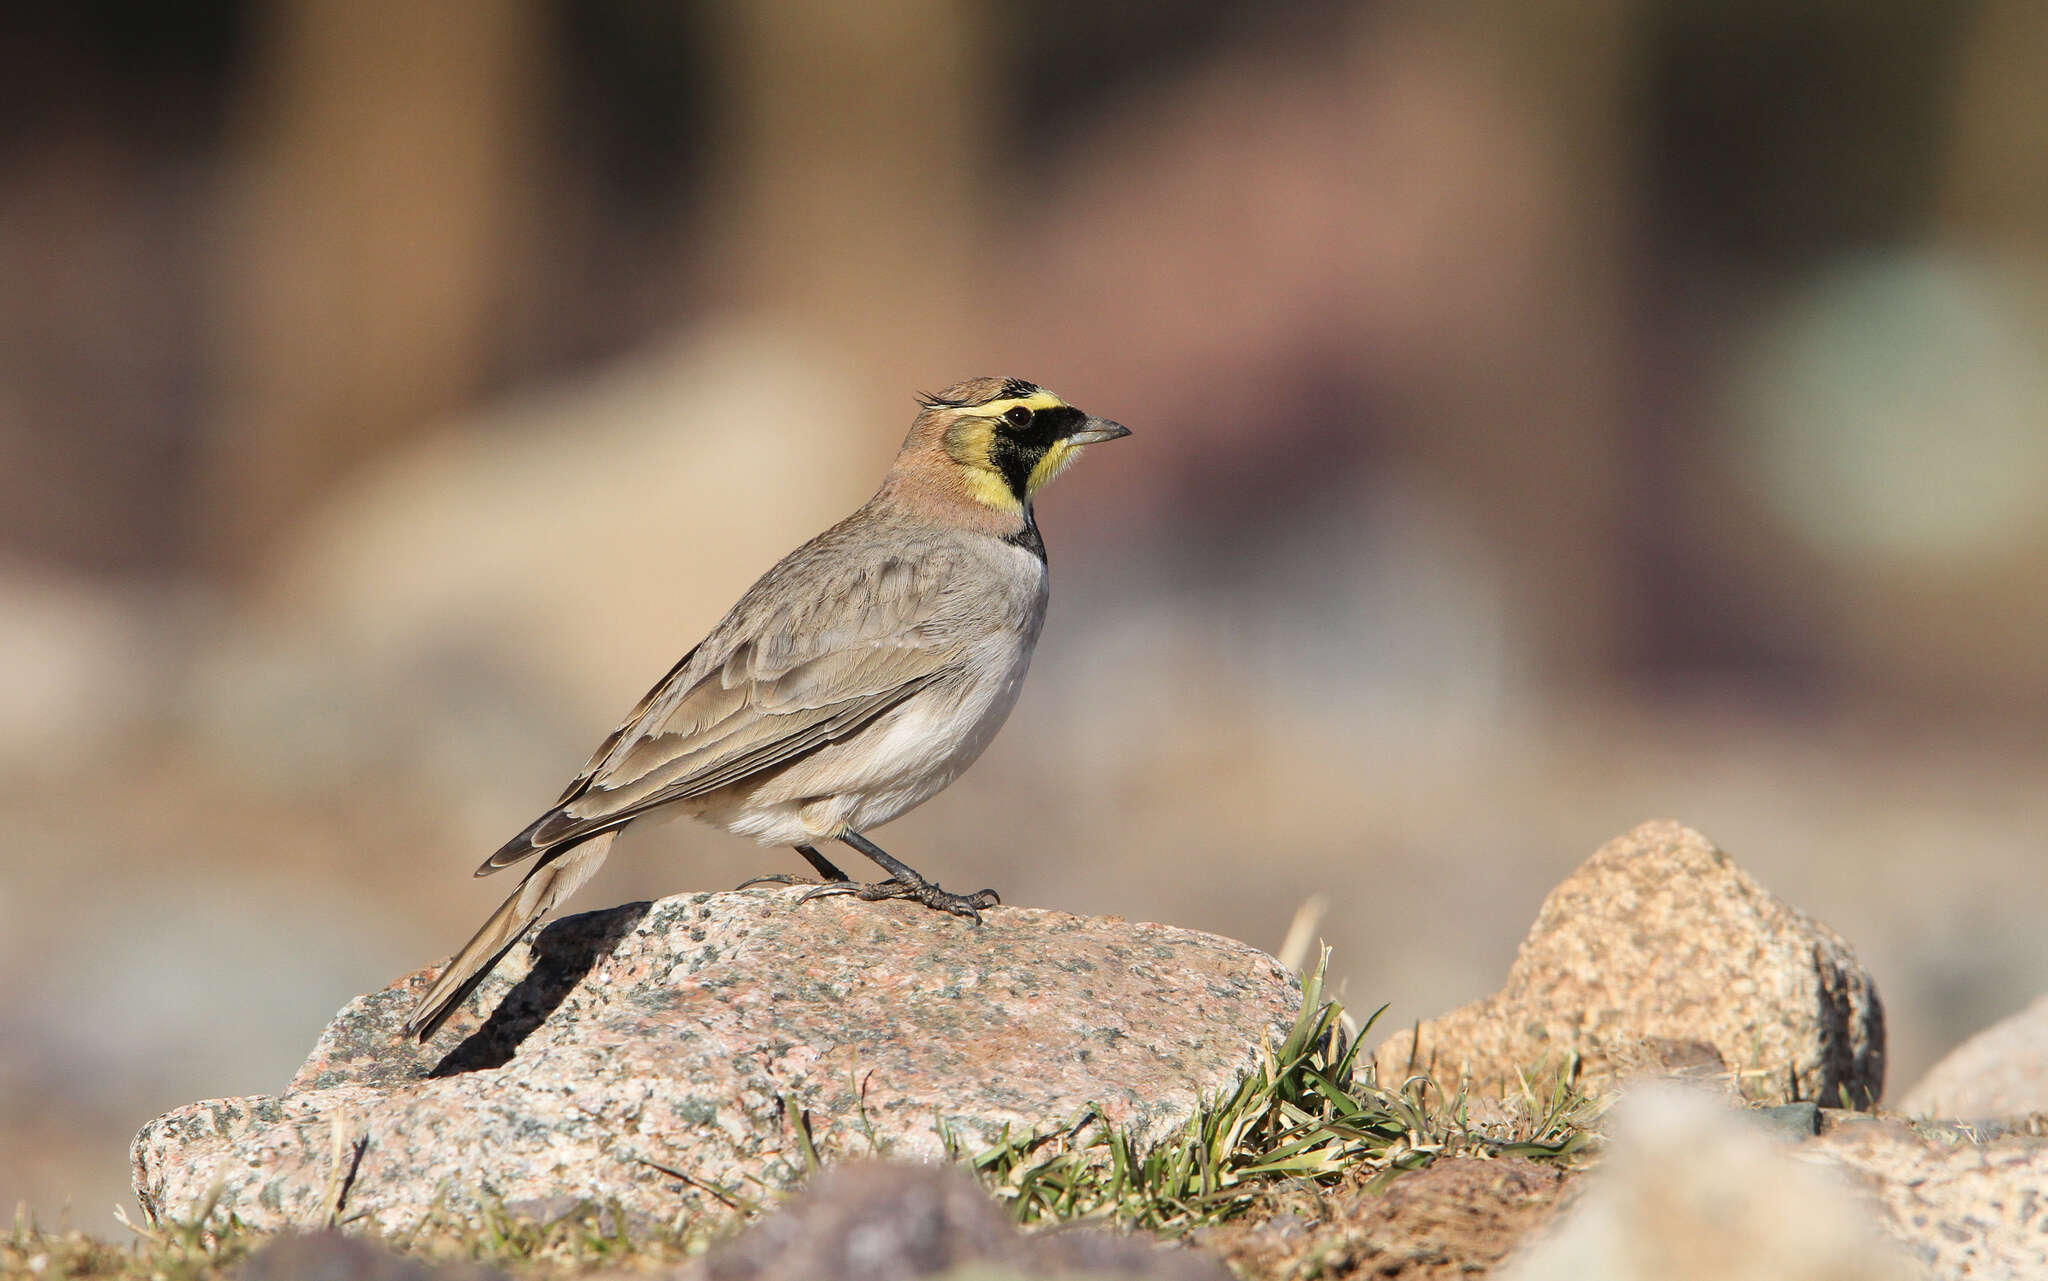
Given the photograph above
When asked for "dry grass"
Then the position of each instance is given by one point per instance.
(1313, 1113)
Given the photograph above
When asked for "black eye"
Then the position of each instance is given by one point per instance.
(1017, 415)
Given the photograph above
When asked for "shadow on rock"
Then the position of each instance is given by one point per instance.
(564, 953)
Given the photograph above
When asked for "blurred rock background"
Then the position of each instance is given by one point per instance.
(1548, 417)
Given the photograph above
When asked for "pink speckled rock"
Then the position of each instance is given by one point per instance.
(2000, 1072)
(1660, 954)
(668, 1058)
(1963, 1201)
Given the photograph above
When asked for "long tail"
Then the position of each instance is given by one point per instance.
(553, 880)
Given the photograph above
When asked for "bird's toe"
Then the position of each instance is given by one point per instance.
(894, 887)
(964, 905)
(830, 888)
(778, 878)
(931, 896)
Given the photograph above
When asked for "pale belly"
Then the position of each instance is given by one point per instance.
(899, 761)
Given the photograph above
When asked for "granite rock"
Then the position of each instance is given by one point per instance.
(1960, 1203)
(686, 1057)
(877, 1221)
(1692, 1190)
(1657, 956)
(2000, 1072)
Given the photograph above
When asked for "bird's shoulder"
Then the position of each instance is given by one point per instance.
(876, 577)
(873, 602)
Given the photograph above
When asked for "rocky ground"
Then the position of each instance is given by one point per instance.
(697, 1056)
(701, 1088)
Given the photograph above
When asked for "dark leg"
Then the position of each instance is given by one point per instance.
(905, 883)
(828, 873)
(827, 869)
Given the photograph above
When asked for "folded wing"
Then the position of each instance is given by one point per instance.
(766, 687)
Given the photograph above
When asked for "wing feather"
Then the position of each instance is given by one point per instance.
(786, 672)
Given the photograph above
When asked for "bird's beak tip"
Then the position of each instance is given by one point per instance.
(1097, 430)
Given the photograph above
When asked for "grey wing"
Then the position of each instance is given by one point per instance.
(784, 673)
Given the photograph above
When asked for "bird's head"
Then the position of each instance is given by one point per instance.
(1002, 439)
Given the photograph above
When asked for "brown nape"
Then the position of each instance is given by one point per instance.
(926, 484)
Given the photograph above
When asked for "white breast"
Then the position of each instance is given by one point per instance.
(905, 757)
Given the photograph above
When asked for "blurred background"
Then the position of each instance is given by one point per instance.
(1548, 417)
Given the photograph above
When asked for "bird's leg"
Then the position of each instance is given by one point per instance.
(827, 869)
(828, 872)
(904, 883)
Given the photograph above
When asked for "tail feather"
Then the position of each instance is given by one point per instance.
(561, 874)
(523, 846)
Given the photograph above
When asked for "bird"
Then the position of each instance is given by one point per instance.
(852, 682)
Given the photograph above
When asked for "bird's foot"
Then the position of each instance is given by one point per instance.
(919, 891)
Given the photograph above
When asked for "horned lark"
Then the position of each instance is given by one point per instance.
(852, 682)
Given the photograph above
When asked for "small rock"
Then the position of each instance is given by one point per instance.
(1656, 944)
(1959, 1206)
(2000, 1072)
(336, 1256)
(878, 1221)
(1691, 1190)
(686, 1058)
(1794, 1121)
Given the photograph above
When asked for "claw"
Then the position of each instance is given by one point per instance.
(828, 889)
(777, 878)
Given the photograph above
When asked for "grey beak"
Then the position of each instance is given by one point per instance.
(1096, 430)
